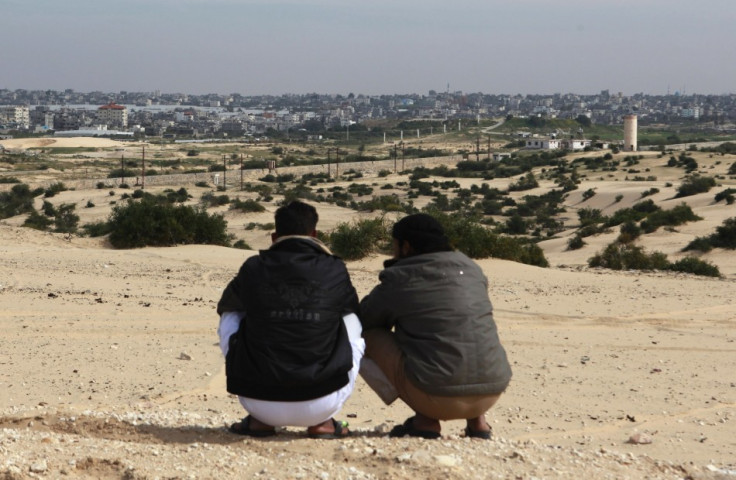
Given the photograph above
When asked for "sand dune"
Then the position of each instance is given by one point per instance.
(94, 384)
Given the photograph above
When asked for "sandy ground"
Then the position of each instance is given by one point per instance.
(109, 364)
(96, 380)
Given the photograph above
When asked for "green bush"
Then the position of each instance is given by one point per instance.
(626, 256)
(630, 231)
(677, 215)
(37, 221)
(360, 238)
(696, 267)
(726, 195)
(66, 221)
(213, 200)
(467, 235)
(150, 222)
(241, 244)
(247, 206)
(9, 180)
(53, 189)
(588, 194)
(694, 185)
(97, 229)
(17, 201)
(575, 243)
(527, 182)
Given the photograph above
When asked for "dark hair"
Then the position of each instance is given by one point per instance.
(296, 218)
(423, 232)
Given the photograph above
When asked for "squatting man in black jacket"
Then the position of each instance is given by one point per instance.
(289, 332)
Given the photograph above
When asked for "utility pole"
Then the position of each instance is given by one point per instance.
(241, 172)
(395, 155)
(122, 168)
(477, 149)
(489, 147)
(328, 162)
(403, 151)
(337, 162)
(143, 171)
(224, 173)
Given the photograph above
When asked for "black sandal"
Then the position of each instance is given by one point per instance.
(243, 428)
(408, 429)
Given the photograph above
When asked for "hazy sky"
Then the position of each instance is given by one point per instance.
(257, 47)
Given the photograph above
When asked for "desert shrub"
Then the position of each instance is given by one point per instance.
(216, 167)
(384, 173)
(589, 216)
(476, 241)
(694, 185)
(618, 198)
(202, 184)
(575, 243)
(700, 243)
(9, 180)
(212, 200)
(248, 205)
(241, 244)
(677, 215)
(360, 238)
(695, 266)
(588, 194)
(37, 221)
(260, 226)
(178, 196)
(151, 222)
(138, 193)
(48, 209)
(66, 220)
(516, 225)
(732, 169)
(53, 189)
(527, 182)
(592, 229)
(630, 231)
(725, 236)
(384, 203)
(726, 195)
(649, 192)
(89, 204)
(122, 173)
(626, 256)
(17, 201)
(97, 229)
(360, 189)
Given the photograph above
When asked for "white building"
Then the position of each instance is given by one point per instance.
(113, 115)
(17, 116)
(542, 144)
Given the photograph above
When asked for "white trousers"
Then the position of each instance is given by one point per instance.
(304, 413)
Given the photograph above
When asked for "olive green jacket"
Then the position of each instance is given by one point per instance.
(443, 319)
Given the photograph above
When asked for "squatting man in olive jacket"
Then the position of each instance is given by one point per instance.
(430, 335)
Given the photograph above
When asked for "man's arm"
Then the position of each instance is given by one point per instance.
(229, 325)
(377, 308)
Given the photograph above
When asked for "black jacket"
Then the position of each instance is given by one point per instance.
(292, 344)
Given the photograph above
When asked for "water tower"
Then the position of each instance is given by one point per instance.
(630, 129)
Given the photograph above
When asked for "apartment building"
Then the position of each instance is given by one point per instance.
(113, 115)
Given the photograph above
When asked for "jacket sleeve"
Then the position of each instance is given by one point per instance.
(378, 308)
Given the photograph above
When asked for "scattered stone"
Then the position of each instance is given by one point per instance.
(446, 460)
(184, 356)
(640, 439)
(39, 466)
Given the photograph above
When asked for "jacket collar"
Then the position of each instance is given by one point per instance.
(284, 243)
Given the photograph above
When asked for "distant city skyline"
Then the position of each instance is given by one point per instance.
(257, 47)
